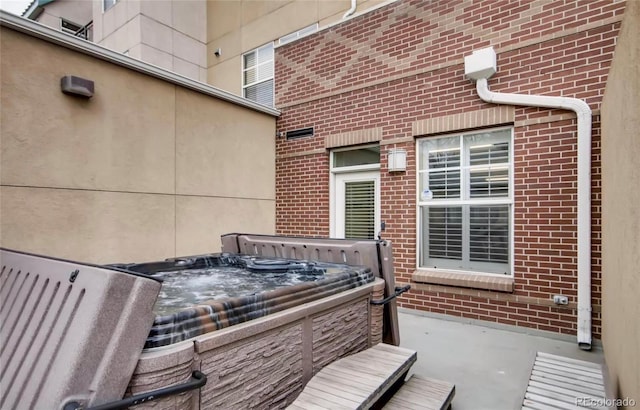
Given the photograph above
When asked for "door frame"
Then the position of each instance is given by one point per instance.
(336, 173)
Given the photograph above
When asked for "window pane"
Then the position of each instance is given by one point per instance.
(250, 76)
(440, 153)
(261, 93)
(489, 233)
(363, 156)
(107, 4)
(250, 60)
(487, 182)
(488, 154)
(265, 53)
(359, 213)
(445, 184)
(265, 71)
(445, 232)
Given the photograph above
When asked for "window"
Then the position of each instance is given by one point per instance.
(69, 26)
(465, 199)
(107, 4)
(257, 75)
(76, 29)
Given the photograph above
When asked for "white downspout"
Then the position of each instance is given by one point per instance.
(480, 66)
(351, 10)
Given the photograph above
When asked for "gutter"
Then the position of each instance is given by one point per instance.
(50, 35)
(480, 66)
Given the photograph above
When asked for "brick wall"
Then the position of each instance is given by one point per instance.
(399, 66)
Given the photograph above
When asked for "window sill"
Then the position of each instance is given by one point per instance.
(464, 280)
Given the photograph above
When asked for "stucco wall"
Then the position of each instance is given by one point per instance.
(237, 27)
(168, 33)
(77, 11)
(620, 215)
(143, 170)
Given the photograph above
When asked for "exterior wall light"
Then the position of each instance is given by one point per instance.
(76, 86)
(397, 160)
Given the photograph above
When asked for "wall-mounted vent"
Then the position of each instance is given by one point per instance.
(301, 133)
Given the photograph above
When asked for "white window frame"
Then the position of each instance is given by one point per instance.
(333, 171)
(509, 200)
(272, 78)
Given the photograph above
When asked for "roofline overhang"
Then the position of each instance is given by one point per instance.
(37, 30)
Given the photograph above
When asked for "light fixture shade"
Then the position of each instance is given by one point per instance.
(397, 160)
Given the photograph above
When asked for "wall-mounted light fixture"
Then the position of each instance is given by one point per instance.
(218, 52)
(397, 160)
(80, 87)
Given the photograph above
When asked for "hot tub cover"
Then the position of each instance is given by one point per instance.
(70, 332)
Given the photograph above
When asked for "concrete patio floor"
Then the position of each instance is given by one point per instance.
(490, 366)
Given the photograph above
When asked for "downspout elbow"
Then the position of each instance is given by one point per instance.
(351, 10)
(581, 108)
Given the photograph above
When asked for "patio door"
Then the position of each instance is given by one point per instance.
(357, 205)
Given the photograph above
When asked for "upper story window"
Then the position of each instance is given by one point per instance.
(69, 26)
(257, 75)
(465, 197)
(107, 4)
(76, 29)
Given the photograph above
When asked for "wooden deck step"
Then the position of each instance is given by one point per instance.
(558, 382)
(356, 381)
(422, 393)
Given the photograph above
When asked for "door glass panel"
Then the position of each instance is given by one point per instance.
(359, 210)
(362, 156)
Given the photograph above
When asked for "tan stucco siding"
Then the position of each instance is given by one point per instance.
(144, 170)
(620, 214)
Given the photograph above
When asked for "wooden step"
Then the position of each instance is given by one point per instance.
(357, 381)
(422, 393)
(558, 382)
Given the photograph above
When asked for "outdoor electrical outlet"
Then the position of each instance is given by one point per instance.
(560, 300)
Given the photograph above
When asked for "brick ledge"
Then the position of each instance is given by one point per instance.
(465, 280)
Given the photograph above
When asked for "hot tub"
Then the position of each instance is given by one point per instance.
(204, 293)
(262, 338)
(87, 324)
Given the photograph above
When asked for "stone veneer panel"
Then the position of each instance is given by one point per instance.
(376, 315)
(339, 333)
(254, 373)
(159, 369)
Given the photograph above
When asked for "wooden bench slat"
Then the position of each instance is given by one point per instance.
(561, 372)
(552, 402)
(596, 372)
(354, 393)
(336, 401)
(568, 360)
(579, 385)
(350, 376)
(369, 373)
(562, 390)
(422, 393)
(530, 405)
(557, 383)
(574, 373)
(336, 380)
